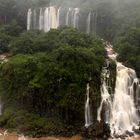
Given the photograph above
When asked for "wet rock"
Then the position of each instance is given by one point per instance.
(107, 130)
(99, 129)
(120, 136)
(137, 131)
(129, 133)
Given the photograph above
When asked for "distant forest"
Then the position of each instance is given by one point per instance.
(118, 21)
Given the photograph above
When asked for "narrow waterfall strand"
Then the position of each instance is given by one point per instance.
(29, 16)
(88, 115)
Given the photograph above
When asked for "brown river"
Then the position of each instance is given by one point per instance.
(14, 136)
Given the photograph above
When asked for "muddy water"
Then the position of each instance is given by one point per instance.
(14, 136)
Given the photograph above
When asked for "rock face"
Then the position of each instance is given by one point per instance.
(99, 129)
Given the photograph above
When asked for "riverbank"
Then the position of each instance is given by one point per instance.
(14, 136)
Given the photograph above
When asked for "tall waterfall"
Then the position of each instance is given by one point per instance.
(88, 114)
(46, 20)
(106, 104)
(123, 113)
(88, 23)
(58, 17)
(41, 18)
(124, 116)
(29, 20)
(52, 17)
(75, 17)
(67, 16)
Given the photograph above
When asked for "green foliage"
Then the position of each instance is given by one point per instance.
(41, 78)
(36, 41)
(13, 29)
(128, 46)
(47, 77)
(30, 124)
(4, 42)
(45, 80)
(7, 34)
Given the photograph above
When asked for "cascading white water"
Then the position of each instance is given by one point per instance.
(76, 18)
(41, 23)
(53, 17)
(88, 23)
(46, 20)
(106, 99)
(29, 16)
(124, 117)
(58, 17)
(67, 16)
(88, 114)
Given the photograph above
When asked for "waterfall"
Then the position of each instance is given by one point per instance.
(53, 17)
(88, 114)
(121, 113)
(41, 19)
(29, 16)
(105, 106)
(88, 23)
(75, 17)
(58, 17)
(124, 116)
(46, 20)
(67, 16)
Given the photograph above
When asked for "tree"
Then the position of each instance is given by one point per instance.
(128, 46)
(49, 78)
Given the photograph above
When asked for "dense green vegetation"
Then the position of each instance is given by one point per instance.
(8, 33)
(128, 46)
(43, 84)
(116, 19)
(117, 22)
(46, 79)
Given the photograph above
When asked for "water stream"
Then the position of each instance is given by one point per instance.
(52, 17)
(29, 16)
(121, 113)
(88, 114)
(89, 23)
